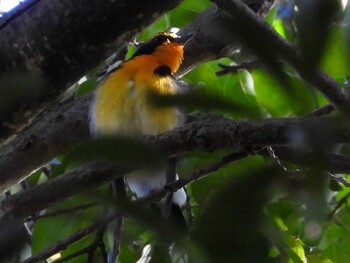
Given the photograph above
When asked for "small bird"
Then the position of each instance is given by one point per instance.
(122, 106)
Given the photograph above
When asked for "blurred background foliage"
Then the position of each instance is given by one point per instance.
(256, 209)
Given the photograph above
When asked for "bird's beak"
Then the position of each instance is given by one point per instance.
(183, 39)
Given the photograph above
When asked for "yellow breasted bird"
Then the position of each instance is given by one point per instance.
(122, 104)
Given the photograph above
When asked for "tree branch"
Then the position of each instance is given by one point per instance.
(119, 191)
(249, 65)
(334, 163)
(281, 48)
(182, 182)
(59, 188)
(52, 133)
(62, 245)
(61, 212)
(53, 44)
(55, 136)
(207, 135)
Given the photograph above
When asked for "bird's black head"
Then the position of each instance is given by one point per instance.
(160, 39)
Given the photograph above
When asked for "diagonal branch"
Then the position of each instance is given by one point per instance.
(54, 43)
(245, 18)
(62, 245)
(208, 134)
(46, 141)
(182, 182)
(61, 187)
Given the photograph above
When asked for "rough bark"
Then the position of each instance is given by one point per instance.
(25, 203)
(56, 42)
(211, 41)
(57, 189)
(36, 146)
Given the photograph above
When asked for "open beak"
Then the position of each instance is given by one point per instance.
(183, 39)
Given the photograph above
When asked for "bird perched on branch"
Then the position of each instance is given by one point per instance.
(122, 106)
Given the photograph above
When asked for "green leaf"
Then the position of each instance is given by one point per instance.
(277, 99)
(335, 244)
(225, 94)
(336, 55)
(86, 87)
(48, 231)
(206, 187)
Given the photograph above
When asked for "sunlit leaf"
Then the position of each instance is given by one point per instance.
(336, 58)
(277, 100)
(335, 244)
(86, 87)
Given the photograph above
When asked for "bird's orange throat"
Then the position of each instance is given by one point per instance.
(170, 55)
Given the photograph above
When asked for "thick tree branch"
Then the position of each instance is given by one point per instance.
(27, 202)
(56, 42)
(32, 200)
(52, 133)
(280, 48)
(58, 130)
(208, 134)
(59, 188)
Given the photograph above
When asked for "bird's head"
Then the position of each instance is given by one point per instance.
(166, 48)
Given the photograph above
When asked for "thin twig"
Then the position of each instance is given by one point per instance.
(90, 249)
(78, 253)
(62, 211)
(325, 110)
(340, 203)
(119, 191)
(62, 245)
(249, 65)
(275, 157)
(173, 186)
(102, 246)
(339, 179)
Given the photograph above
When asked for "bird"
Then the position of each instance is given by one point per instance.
(122, 106)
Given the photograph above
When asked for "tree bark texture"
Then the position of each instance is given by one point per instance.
(55, 42)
